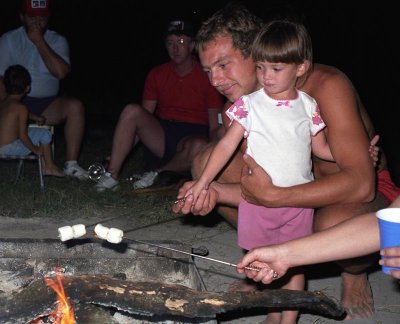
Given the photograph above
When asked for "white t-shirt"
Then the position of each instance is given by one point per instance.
(17, 48)
(279, 134)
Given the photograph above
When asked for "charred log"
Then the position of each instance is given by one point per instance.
(152, 299)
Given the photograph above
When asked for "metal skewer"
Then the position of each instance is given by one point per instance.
(192, 254)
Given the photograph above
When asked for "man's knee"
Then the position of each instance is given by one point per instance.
(200, 160)
(130, 112)
(193, 147)
(75, 106)
(329, 216)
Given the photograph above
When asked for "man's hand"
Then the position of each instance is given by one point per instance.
(35, 31)
(205, 203)
(256, 184)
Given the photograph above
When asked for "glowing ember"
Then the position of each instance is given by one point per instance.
(64, 314)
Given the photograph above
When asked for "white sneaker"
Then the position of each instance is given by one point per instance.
(76, 171)
(146, 180)
(106, 182)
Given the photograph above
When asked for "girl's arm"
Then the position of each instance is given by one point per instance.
(220, 155)
(320, 147)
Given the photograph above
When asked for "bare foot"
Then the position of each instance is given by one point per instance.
(55, 172)
(357, 297)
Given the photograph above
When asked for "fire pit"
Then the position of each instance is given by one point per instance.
(22, 261)
(145, 283)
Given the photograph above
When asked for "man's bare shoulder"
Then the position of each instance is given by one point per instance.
(325, 81)
(323, 74)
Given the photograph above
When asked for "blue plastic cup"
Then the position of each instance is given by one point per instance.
(389, 229)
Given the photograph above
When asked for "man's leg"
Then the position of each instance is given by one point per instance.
(71, 112)
(356, 291)
(186, 150)
(135, 123)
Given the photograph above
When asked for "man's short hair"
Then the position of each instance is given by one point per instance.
(234, 20)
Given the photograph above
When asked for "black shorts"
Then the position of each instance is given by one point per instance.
(38, 105)
(175, 131)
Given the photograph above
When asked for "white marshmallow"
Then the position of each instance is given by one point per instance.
(79, 230)
(65, 233)
(115, 235)
(101, 231)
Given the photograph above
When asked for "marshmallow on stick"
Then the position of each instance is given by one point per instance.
(101, 231)
(66, 233)
(115, 235)
(112, 235)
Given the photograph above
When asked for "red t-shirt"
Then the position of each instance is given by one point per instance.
(183, 99)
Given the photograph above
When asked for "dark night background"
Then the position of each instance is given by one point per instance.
(114, 43)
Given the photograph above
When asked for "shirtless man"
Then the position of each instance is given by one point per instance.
(341, 190)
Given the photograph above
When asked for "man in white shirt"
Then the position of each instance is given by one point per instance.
(45, 54)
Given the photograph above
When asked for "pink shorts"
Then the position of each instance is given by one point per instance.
(260, 226)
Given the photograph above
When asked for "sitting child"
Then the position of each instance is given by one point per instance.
(15, 136)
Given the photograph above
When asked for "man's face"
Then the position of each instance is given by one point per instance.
(35, 22)
(179, 47)
(229, 72)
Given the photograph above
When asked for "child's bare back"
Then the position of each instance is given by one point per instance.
(12, 115)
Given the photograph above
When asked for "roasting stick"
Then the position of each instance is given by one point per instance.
(115, 236)
(192, 254)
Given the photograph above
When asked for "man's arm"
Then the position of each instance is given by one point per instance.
(54, 62)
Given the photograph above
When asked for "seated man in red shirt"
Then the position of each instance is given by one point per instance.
(177, 117)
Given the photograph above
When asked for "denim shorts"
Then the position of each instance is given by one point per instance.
(37, 135)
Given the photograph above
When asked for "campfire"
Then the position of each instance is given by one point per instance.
(140, 281)
(64, 313)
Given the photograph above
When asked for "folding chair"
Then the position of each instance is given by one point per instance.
(20, 166)
(51, 129)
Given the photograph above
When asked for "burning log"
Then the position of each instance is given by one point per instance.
(154, 299)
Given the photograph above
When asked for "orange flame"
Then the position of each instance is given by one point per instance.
(64, 314)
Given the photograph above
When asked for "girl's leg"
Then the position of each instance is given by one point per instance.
(296, 282)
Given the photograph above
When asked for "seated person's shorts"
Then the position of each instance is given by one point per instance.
(175, 131)
(38, 105)
(37, 135)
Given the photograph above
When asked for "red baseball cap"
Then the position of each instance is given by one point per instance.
(34, 8)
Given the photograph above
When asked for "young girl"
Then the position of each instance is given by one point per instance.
(15, 136)
(282, 125)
